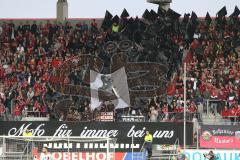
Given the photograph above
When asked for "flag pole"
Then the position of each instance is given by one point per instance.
(185, 106)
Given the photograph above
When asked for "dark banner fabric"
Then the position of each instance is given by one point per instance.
(123, 132)
(220, 136)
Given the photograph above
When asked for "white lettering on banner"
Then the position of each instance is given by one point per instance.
(98, 133)
(222, 131)
(66, 156)
(165, 134)
(74, 156)
(156, 134)
(82, 156)
(58, 145)
(223, 141)
(90, 156)
(19, 132)
(193, 154)
(101, 156)
(96, 145)
(137, 133)
(62, 131)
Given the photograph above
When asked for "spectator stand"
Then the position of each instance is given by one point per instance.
(32, 54)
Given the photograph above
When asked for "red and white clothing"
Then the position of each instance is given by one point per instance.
(225, 113)
(37, 106)
(56, 63)
(17, 110)
(2, 109)
(47, 156)
(165, 109)
(192, 109)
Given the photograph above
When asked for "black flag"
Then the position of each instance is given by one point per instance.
(222, 12)
(115, 19)
(194, 16)
(146, 15)
(107, 20)
(208, 18)
(172, 14)
(108, 15)
(236, 12)
(124, 14)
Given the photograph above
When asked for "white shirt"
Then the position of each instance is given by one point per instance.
(29, 79)
(20, 49)
(30, 94)
(196, 35)
(195, 84)
(46, 156)
(133, 112)
(154, 115)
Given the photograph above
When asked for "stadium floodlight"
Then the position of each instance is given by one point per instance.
(165, 4)
(159, 1)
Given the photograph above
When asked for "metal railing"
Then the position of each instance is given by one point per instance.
(175, 116)
(36, 113)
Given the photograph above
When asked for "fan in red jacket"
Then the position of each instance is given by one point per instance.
(225, 112)
(233, 111)
(192, 108)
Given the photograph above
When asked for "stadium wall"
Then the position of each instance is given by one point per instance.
(73, 21)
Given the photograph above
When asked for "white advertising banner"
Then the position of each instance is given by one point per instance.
(194, 154)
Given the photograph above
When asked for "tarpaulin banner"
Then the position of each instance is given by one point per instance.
(123, 132)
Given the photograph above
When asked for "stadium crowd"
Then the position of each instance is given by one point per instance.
(31, 53)
(213, 69)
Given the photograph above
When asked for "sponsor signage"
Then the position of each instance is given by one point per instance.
(220, 136)
(105, 117)
(123, 132)
(86, 156)
(194, 154)
(95, 156)
(130, 118)
(191, 154)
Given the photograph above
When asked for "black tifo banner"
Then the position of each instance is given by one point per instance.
(163, 132)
